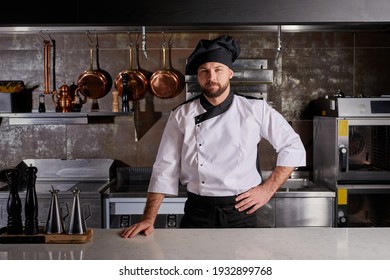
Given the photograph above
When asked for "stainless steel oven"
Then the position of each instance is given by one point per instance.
(124, 200)
(351, 154)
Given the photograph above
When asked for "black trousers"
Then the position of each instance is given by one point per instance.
(215, 212)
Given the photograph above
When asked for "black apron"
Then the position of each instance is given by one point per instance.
(215, 212)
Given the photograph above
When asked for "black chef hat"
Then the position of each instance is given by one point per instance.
(223, 49)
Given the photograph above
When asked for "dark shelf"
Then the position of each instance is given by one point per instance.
(62, 118)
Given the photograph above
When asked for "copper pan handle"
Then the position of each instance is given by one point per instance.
(91, 58)
(164, 63)
(53, 65)
(46, 61)
(131, 57)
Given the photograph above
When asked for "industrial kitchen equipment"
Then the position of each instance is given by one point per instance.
(351, 154)
(299, 202)
(90, 176)
(124, 200)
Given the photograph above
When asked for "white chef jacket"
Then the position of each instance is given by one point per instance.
(213, 149)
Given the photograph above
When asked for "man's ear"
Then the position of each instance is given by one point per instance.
(231, 74)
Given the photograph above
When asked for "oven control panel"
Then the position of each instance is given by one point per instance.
(352, 107)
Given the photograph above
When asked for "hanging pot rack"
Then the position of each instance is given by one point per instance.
(194, 29)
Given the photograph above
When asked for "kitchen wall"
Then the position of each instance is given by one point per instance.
(309, 65)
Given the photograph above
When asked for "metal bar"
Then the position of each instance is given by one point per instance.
(293, 28)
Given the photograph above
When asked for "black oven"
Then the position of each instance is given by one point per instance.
(363, 207)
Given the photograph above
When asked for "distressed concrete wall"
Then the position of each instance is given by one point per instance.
(310, 65)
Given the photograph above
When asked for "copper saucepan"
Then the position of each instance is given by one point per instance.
(137, 83)
(164, 83)
(92, 83)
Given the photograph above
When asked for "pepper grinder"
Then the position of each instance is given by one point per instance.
(42, 107)
(115, 102)
(77, 103)
(14, 204)
(125, 98)
(31, 204)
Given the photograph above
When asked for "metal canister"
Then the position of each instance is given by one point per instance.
(77, 221)
(55, 219)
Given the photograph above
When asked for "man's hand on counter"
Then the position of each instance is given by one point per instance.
(143, 227)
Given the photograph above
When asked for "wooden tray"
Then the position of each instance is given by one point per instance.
(45, 238)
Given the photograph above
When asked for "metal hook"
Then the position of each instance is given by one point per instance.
(137, 40)
(144, 42)
(41, 35)
(279, 48)
(164, 41)
(44, 39)
(89, 38)
(162, 33)
(170, 39)
(97, 40)
(131, 41)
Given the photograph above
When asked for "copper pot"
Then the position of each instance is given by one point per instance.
(93, 83)
(66, 99)
(136, 84)
(164, 83)
(63, 100)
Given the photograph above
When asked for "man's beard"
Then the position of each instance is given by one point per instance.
(211, 93)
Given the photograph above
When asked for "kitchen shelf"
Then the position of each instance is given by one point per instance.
(179, 15)
(273, 28)
(63, 118)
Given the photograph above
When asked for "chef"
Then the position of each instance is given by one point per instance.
(210, 145)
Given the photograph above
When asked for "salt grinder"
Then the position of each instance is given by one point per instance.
(14, 205)
(31, 204)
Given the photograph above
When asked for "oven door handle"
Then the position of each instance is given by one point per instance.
(343, 152)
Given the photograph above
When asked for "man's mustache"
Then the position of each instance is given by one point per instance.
(212, 84)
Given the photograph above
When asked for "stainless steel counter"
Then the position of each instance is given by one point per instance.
(299, 202)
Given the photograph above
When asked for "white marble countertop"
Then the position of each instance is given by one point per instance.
(305, 243)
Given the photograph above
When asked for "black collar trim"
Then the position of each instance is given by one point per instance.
(211, 110)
